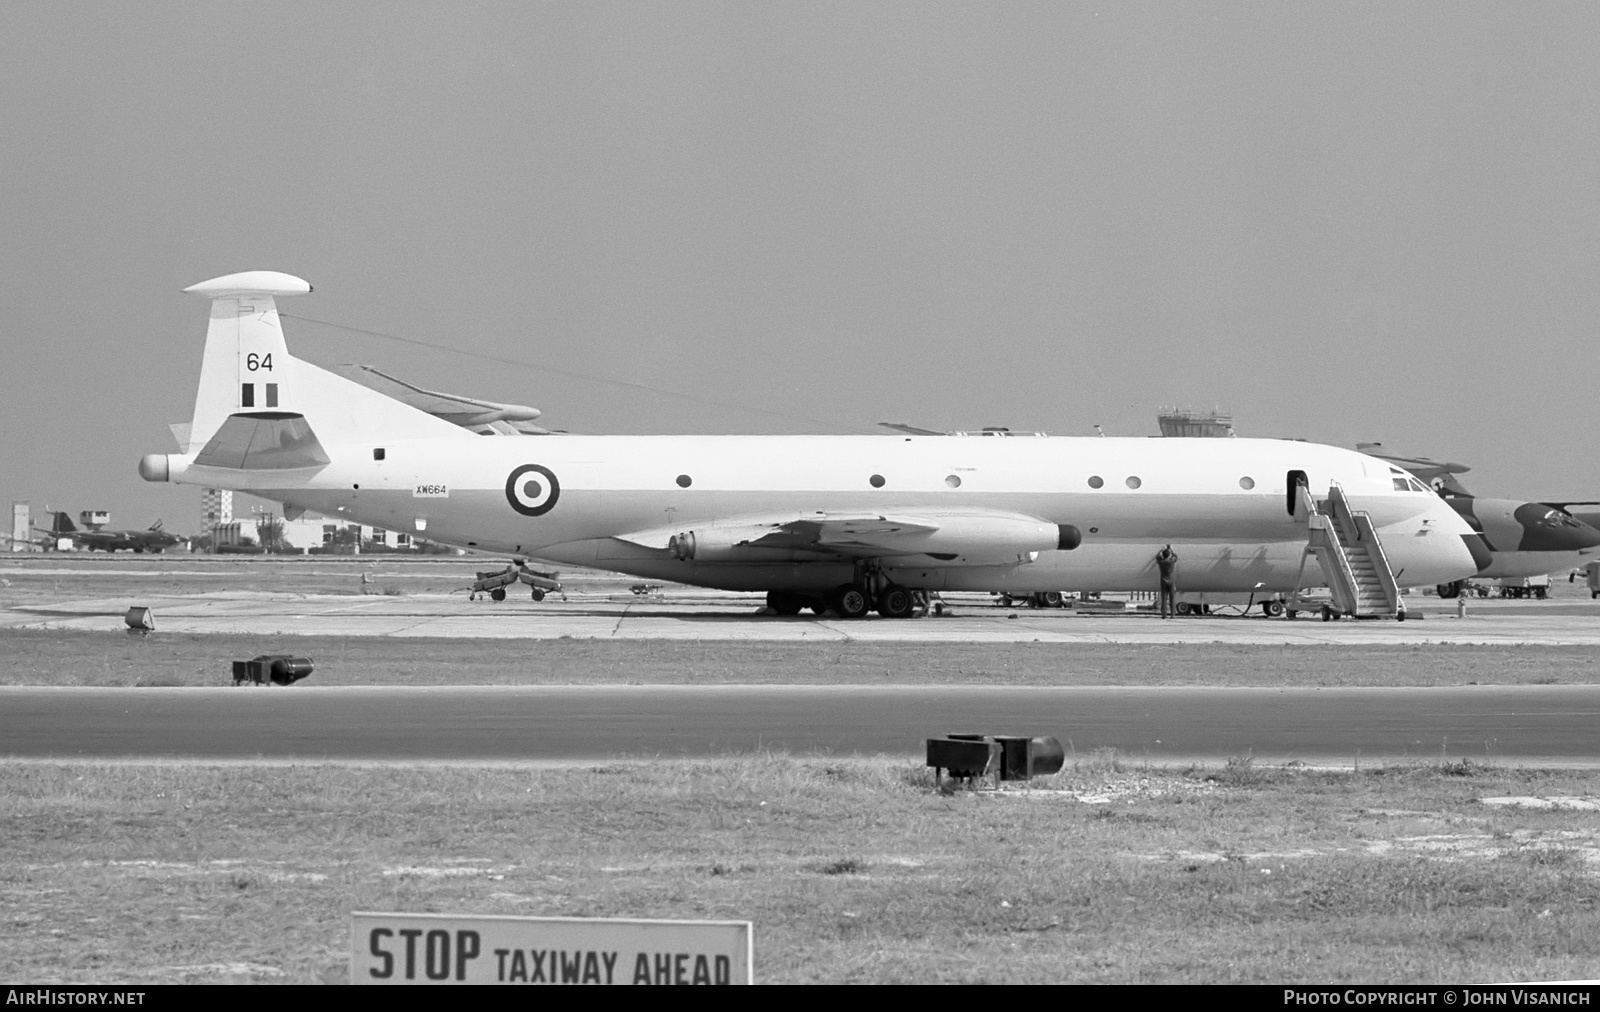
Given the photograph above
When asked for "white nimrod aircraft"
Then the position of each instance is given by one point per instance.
(850, 523)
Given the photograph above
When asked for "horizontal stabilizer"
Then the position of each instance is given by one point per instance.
(268, 441)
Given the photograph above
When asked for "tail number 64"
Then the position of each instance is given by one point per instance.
(254, 362)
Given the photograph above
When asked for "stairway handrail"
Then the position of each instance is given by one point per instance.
(1351, 589)
(1391, 586)
(1368, 532)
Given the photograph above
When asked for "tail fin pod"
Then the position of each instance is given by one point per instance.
(245, 358)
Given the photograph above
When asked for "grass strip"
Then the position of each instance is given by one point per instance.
(852, 871)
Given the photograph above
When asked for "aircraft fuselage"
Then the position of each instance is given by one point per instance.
(1223, 504)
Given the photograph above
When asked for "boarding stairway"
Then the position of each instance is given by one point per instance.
(1347, 547)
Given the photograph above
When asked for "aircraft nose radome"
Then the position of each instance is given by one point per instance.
(1481, 556)
(1551, 530)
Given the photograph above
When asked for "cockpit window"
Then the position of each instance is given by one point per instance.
(1416, 486)
(1400, 485)
(1559, 517)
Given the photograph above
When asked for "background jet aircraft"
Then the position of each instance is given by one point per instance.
(154, 539)
(1524, 538)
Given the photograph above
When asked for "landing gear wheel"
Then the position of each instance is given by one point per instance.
(850, 601)
(1327, 614)
(1183, 607)
(896, 602)
(784, 603)
(1272, 609)
(497, 594)
(538, 593)
(1051, 599)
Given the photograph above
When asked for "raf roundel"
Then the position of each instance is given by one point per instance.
(532, 490)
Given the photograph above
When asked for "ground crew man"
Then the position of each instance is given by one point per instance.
(1166, 562)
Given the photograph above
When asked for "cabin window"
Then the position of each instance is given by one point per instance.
(377, 453)
(953, 481)
(684, 481)
(1095, 481)
(876, 481)
(1133, 481)
(1247, 483)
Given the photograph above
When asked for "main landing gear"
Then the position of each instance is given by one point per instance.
(853, 600)
(850, 601)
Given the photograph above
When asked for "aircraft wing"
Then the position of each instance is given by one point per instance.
(968, 537)
(467, 412)
(912, 430)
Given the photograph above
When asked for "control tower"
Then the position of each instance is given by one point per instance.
(1213, 424)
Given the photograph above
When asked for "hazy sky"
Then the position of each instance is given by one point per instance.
(1340, 221)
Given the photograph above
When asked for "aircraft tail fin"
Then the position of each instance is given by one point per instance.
(256, 404)
(245, 359)
(61, 524)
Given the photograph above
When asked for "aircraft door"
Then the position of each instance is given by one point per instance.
(1296, 481)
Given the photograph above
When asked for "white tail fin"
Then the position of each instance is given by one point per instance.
(245, 358)
(247, 370)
